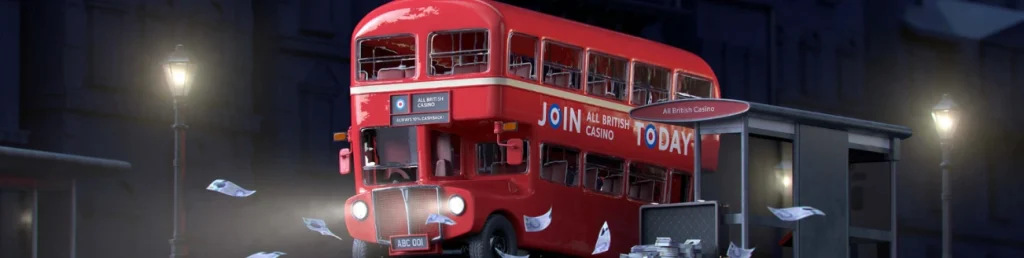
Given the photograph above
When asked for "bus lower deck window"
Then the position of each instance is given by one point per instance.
(604, 174)
(386, 58)
(490, 159)
(458, 52)
(646, 183)
(559, 165)
(688, 86)
(446, 154)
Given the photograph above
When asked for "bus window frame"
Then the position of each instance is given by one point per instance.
(359, 54)
(664, 183)
(583, 182)
(671, 80)
(476, 158)
(678, 77)
(429, 62)
(579, 159)
(627, 81)
(580, 58)
(537, 45)
(686, 189)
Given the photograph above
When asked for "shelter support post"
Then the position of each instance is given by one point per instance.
(894, 156)
(696, 160)
(745, 184)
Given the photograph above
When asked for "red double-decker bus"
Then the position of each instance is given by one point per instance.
(486, 113)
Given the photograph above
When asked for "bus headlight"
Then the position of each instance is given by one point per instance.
(456, 205)
(359, 210)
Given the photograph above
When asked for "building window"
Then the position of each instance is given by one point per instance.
(458, 52)
(604, 174)
(689, 86)
(522, 56)
(387, 58)
(606, 76)
(562, 65)
(646, 183)
(559, 164)
(447, 155)
(491, 159)
(650, 84)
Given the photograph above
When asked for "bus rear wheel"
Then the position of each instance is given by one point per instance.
(498, 233)
(363, 249)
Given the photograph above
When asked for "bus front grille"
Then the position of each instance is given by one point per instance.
(404, 211)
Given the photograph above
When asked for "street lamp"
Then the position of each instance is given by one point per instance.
(946, 115)
(179, 71)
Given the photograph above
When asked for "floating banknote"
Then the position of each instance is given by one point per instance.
(229, 188)
(604, 240)
(737, 252)
(795, 213)
(266, 255)
(504, 255)
(539, 223)
(319, 226)
(436, 218)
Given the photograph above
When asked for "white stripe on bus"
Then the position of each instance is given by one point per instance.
(457, 83)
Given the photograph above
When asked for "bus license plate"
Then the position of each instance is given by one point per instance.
(410, 243)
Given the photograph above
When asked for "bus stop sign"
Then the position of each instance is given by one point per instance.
(689, 110)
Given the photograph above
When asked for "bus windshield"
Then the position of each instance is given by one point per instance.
(389, 155)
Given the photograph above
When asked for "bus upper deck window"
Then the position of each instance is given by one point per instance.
(458, 52)
(650, 84)
(606, 76)
(688, 86)
(522, 56)
(562, 65)
(387, 58)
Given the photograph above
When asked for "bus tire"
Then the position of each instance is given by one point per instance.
(363, 249)
(498, 233)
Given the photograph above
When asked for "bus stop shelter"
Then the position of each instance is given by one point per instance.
(823, 149)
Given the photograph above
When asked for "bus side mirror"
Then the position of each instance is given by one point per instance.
(514, 152)
(345, 161)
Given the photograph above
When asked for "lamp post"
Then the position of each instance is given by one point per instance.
(180, 72)
(946, 115)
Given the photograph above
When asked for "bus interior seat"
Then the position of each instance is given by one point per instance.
(363, 75)
(634, 191)
(549, 168)
(557, 171)
(597, 87)
(558, 79)
(497, 168)
(521, 69)
(410, 72)
(443, 168)
(469, 68)
(647, 192)
(390, 73)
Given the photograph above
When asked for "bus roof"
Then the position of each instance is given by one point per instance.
(495, 15)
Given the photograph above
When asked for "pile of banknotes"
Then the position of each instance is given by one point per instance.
(664, 247)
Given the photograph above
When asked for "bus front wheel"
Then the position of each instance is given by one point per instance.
(498, 233)
(363, 249)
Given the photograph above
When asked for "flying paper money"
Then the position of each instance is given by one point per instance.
(436, 218)
(795, 213)
(604, 240)
(229, 188)
(539, 223)
(266, 255)
(319, 226)
(736, 252)
(504, 255)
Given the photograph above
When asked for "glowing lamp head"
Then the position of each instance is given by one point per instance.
(359, 210)
(180, 72)
(946, 115)
(456, 205)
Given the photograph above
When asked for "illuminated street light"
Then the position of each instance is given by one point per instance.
(180, 72)
(946, 115)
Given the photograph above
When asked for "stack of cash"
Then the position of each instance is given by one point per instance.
(664, 247)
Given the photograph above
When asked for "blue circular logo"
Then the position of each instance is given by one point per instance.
(651, 136)
(555, 116)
